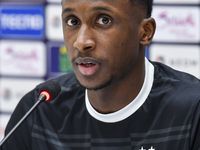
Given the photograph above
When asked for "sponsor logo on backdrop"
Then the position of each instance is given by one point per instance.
(64, 62)
(6, 94)
(22, 21)
(12, 90)
(181, 57)
(54, 1)
(17, 55)
(179, 62)
(59, 62)
(177, 24)
(185, 62)
(177, 1)
(160, 59)
(54, 22)
(26, 1)
(22, 58)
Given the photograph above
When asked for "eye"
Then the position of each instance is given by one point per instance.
(72, 22)
(104, 21)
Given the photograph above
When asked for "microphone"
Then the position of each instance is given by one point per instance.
(48, 91)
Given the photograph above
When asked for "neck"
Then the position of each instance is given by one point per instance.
(119, 93)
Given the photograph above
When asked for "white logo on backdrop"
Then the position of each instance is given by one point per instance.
(177, 24)
(12, 90)
(177, 1)
(22, 58)
(54, 22)
(22, 22)
(181, 57)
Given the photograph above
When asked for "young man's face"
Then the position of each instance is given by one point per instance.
(102, 38)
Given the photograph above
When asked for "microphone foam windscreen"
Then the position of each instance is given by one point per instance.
(52, 87)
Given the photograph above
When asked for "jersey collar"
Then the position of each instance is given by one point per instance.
(131, 107)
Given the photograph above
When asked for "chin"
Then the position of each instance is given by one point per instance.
(96, 87)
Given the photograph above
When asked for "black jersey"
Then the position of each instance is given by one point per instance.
(164, 116)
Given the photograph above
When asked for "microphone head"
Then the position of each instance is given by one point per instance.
(50, 89)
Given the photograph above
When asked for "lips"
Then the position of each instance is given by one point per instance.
(87, 66)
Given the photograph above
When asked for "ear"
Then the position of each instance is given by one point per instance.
(148, 27)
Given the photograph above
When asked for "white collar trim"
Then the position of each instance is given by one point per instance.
(131, 107)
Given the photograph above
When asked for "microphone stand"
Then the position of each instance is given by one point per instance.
(40, 99)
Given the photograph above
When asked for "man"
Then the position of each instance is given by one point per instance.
(121, 100)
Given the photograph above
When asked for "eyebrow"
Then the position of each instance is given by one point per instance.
(67, 10)
(101, 8)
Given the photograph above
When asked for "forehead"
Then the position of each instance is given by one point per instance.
(96, 1)
(119, 9)
(86, 5)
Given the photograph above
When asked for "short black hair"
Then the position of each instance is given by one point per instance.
(146, 5)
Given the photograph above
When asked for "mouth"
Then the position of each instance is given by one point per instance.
(87, 66)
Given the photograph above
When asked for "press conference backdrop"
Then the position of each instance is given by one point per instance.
(32, 48)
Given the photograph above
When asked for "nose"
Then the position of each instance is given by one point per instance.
(85, 39)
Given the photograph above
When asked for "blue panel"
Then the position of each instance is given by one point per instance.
(24, 1)
(22, 21)
(147, 52)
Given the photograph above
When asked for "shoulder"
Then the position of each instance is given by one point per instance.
(68, 82)
(70, 88)
(176, 93)
(178, 87)
(175, 98)
(172, 77)
(165, 72)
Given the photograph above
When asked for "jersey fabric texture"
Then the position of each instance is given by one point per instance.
(164, 116)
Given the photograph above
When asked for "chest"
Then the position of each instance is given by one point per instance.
(83, 132)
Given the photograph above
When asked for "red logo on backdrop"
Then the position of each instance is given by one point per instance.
(178, 25)
(20, 55)
(176, 21)
(21, 60)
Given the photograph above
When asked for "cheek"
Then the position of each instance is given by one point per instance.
(68, 39)
(70, 51)
(125, 54)
(69, 46)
